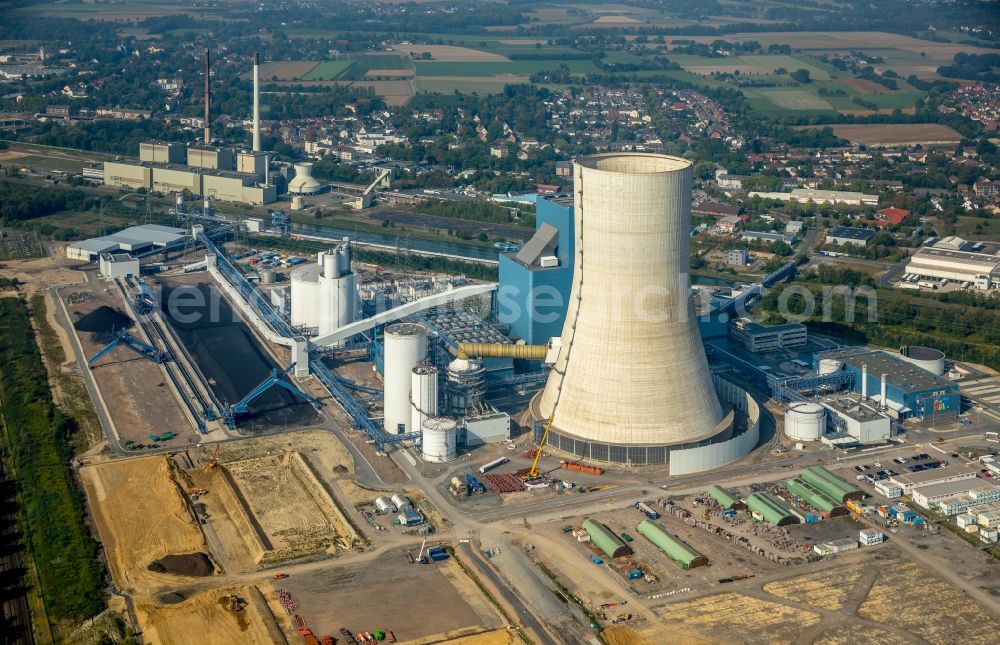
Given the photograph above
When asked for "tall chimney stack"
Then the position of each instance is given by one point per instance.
(256, 102)
(208, 102)
(864, 382)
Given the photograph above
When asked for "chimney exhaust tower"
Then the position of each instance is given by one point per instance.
(256, 102)
(631, 381)
(208, 101)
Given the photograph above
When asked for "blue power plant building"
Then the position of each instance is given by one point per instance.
(912, 391)
(535, 282)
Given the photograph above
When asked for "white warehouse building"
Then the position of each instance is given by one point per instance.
(981, 270)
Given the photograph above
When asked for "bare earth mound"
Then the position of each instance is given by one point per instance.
(186, 564)
(220, 616)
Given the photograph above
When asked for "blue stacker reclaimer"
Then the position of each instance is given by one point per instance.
(124, 338)
(276, 379)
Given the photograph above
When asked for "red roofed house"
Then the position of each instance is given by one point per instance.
(892, 215)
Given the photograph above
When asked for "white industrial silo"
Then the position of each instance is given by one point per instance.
(829, 365)
(439, 441)
(305, 300)
(805, 421)
(423, 394)
(405, 348)
(631, 369)
(928, 358)
(337, 290)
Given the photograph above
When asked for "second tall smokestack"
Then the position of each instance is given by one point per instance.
(256, 102)
(208, 101)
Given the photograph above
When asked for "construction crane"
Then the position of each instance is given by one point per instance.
(421, 558)
(274, 380)
(541, 444)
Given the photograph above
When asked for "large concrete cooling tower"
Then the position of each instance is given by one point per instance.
(631, 371)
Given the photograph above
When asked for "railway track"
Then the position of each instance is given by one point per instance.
(16, 623)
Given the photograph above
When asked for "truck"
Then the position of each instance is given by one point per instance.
(647, 510)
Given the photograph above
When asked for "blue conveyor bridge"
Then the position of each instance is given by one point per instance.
(276, 379)
(124, 338)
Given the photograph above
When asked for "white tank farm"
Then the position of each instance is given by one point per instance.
(439, 442)
(405, 348)
(805, 421)
(423, 394)
(928, 358)
(829, 365)
(325, 294)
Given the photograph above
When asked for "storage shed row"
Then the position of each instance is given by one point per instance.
(831, 485)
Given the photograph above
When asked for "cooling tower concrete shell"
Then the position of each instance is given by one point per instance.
(405, 348)
(303, 183)
(632, 369)
(423, 394)
(805, 421)
(439, 440)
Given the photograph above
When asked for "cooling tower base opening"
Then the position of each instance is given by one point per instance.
(737, 435)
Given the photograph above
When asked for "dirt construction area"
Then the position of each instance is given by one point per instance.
(219, 616)
(419, 603)
(289, 511)
(141, 518)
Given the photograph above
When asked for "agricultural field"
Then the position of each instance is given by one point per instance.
(897, 134)
(779, 101)
(430, 69)
(752, 64)
(288, 70)
(117, 12)
(329, 70)
(452, 53)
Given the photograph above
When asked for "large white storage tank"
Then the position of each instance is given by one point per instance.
(440, 440)
(405, 348)
(928, 358)
(423, 394)
(805, 421)
(305, 300)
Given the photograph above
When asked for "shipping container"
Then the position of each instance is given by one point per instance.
(634, 574)
(647, 510)
(493, 464)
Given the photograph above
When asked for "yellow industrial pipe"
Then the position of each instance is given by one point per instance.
(502, 350)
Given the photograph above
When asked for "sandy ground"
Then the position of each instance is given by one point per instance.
(896, 134)
(140, 518)
(496, 637)
(452, 53)
(39, 273)
(207, 619)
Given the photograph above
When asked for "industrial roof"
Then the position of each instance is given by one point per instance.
(669, 543)
(133, 236)
(464, 327)
(830, 484)
(722, 496)
(932, 475)
(604, 539)
(812, 495)
(851, 233)
(900, 373)
(982, 260)
(771, 508)
(752, 327)
(543, 242)
(948, 489)
(852, 409)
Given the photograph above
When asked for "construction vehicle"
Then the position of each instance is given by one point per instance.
(533, 473)
(166, 436)
(215, 457)
(280, 576)
(421, 558)
(704, 516)
(307, 636)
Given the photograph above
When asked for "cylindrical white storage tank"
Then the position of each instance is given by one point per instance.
(439, 441)
(268, 276)
(337, 300)
(829, 365)
(928, 358)
(330, 269)
(405, 348)
(805, 421)
(423, 394)
(305, 296)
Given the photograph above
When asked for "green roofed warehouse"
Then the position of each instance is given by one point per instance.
(830, 484)
(816, 498)
(725, 500)
(683, 556)
(771, 509)
(605, 540)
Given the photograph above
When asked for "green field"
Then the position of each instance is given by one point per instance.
(466, 85)
(782, 101)
(516, 67)
(966, 227)
(329, 70)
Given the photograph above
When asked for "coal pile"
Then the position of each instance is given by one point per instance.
(185, 564)
(103, 321)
